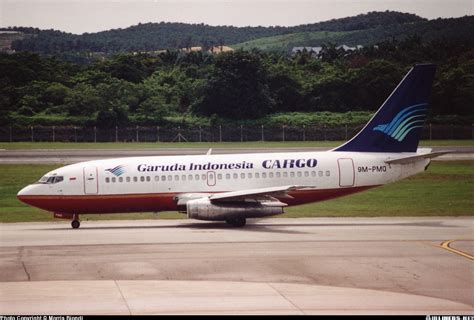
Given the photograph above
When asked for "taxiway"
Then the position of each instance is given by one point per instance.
(282, 266)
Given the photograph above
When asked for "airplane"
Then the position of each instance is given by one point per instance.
(236, 187)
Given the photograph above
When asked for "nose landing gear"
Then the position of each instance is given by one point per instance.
(75, 224)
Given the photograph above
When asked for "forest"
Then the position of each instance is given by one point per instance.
(146, 37)
(198, 88)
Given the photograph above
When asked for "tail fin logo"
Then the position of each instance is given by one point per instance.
(404, 122)
(117, 171)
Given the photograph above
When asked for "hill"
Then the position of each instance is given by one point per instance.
(453, 29)
(165, 35)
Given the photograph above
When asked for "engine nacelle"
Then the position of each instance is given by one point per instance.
(203, 209)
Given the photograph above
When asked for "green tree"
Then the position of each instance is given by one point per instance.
(238, 87)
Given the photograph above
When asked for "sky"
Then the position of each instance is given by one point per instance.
(79, 16)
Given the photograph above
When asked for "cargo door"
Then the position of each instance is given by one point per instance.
(346, 172)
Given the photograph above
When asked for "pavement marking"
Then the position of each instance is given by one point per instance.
(445, 245)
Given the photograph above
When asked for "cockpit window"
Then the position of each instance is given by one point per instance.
(50, 179)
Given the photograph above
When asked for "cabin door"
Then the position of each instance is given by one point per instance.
(91, 183)
(346, 172)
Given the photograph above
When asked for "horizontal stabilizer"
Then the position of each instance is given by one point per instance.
(410, 159)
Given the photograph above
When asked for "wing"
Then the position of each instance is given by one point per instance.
(266, 196)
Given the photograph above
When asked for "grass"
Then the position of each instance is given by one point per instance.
(281, 42)
(215, 145)
(446, 189)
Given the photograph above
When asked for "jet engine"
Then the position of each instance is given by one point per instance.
(204, 209)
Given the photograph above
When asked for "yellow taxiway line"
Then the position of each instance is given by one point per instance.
(445, 245)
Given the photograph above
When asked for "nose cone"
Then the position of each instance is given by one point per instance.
(23, 194)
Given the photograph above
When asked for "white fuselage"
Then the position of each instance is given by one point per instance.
(153, 183)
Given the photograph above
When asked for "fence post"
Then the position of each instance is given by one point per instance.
(11, 134)
(116, 133)
(345, 127)
(200, 134)
(220, 133)
(283, 132)
(304, 133)
(241, 133)
(263, 138)
(157, 133)
(95, 133)
(136, 133)
(431, 132)
(75, 134)
(54, 138)
(452, 131)
(32, 135)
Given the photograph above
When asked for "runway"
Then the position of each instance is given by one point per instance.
(279, 266)
(68, 156)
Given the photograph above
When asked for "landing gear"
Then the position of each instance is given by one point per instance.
(75, 224)
(237, 222)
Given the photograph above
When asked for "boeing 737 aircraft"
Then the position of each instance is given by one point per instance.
(235, 187)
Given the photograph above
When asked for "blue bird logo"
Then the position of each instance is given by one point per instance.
(117, 171)
(404, 122)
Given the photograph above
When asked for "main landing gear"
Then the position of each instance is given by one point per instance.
(237, 222)
(75, 224)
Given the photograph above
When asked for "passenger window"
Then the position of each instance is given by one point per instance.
(249, 175)
(148, 178)
(176, 178)
(278, 175)
(170, 178)
(306, 174)
(227, 176)
(292, 174)
(196, 176)
(203, 177)
(142, 179)
(113, 179)
(298, 174)
(257, 175)
(264, 175)
(219, 176)
(242, 176)
(107, 180)
(270, 175)
(163, 178)
(120, 179)
(285, 174)
(190, 177)
(183, 177)
(320, 173)
(328, 173)
(235, 176)
(135, 179)
(128, 179)
(313, 173)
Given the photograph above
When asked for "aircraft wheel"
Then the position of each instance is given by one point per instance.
(237, 222)
(75, 224)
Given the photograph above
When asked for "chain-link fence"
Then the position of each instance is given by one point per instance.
(209, 134)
